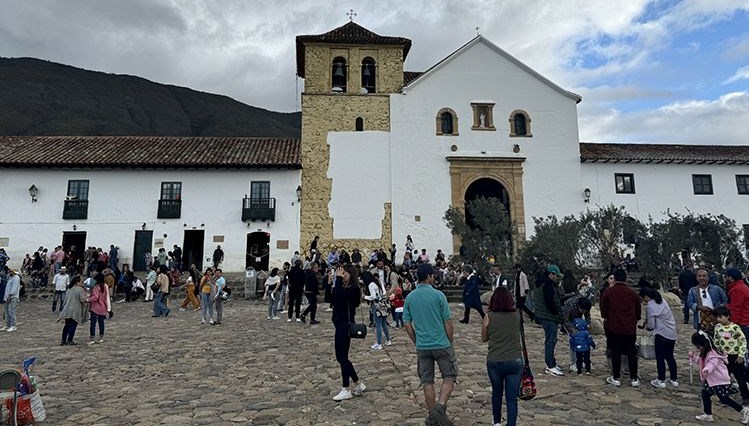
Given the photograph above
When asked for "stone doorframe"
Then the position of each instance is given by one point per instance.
(506, 170)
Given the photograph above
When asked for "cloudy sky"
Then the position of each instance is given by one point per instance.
(659, 71)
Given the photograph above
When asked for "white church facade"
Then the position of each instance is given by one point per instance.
(383, 154)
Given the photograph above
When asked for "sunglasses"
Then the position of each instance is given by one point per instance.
(704, 293)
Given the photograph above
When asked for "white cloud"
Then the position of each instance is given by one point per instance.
(719, 121)
(740, 74)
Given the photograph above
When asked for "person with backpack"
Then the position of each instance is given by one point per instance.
(379, 309)
(504, 363)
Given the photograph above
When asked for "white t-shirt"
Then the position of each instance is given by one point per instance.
(707, 301)
(61, 282)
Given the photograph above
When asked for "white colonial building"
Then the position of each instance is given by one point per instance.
(146, 193)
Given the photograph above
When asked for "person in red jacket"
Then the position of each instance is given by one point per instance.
(738, 299)
(621, 311)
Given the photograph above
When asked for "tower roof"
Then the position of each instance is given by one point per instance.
(351, 33)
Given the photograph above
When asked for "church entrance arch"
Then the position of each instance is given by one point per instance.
(499, 177)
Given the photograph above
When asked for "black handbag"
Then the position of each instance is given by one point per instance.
(356, 331)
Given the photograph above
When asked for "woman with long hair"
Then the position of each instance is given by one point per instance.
(504, 363)
(99, 308)
(346, 298)
(661, 323)
(206, 289)
(272, 292)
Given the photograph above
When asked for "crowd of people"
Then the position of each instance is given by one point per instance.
(408, 296)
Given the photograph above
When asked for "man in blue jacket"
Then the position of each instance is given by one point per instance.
(704, 298)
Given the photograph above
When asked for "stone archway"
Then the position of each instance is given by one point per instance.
(505, 171)
(486, 188)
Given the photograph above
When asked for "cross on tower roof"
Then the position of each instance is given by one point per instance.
(477, 31)
(351, 15)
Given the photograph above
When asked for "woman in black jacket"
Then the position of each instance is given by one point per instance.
(346, 297)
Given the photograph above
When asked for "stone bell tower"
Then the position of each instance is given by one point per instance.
(349, 73)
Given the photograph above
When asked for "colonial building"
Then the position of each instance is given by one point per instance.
(385, 151)
(147, 193)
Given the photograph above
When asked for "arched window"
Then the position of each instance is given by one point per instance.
(520, 124)
(359, 124)
(368, 75)
(339, 75)
(447, 122)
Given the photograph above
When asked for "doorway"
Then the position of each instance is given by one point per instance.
(143, 243)
(258, 251)
(192, 249)
(74, 239)
(486, 188)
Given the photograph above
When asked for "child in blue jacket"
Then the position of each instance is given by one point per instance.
(582, 342)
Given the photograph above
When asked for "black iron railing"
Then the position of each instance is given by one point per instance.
(258, 209)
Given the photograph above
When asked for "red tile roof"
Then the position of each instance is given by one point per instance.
(655, 153)
(150, 152)
(351, 33)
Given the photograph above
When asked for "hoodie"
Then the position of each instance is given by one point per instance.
(661, 319)
(713, 369)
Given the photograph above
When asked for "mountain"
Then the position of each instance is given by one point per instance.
(39, 97)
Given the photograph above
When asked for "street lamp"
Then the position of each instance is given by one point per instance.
(586, 193)
(299, 193)
(33, 191)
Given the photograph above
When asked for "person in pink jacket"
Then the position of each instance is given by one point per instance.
(99, 307)
(715, 378)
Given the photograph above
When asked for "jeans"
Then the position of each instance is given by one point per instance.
(468, 313)
(505, 375)
(621, 344)
(551, 329)
(398, 319)
(273, 304)
(59, 296)
(381, 325)
(219, 302)
(281, 297)
(295, 300)
(342, 344)
(94, 319)
(68, 332)
(311, 306)
(206, 312)
(159, 304)
(10, 311)
(664, 353)
(58, 265)
(580, 359)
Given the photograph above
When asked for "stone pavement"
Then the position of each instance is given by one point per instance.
(252, 371)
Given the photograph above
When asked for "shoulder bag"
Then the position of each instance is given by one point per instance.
(707, 319)
(527, 390)
(355, 331)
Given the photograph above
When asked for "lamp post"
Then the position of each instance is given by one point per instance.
(586, 193)
(33, 192)
(299, 193)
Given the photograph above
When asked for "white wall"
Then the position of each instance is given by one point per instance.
(668, 186)
(360, 172)
(120, 201)
(421, 181)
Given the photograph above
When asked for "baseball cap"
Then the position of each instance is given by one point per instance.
(554, 269)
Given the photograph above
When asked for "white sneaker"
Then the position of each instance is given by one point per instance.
(181, 309)
(635, 383)
(343, 395)
(556, 371)
(389, 343)
(376, 347)
(745, 416)
(211, 322)
(12, 328)
(358, 389)
(275, 318)
(328, 309)
(658, 384)
(705, 418)
(100, 341)
(298, 320)
(268, 318)
(203, 321)
(288, 320)
(612, 381)
(573, 368)
(674, 383)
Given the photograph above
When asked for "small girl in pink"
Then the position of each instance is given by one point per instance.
(715, 378)
(99, 307)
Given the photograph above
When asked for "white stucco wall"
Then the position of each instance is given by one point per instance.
(668, 186)
(421, 181)
(360, 173)
(120, 201)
